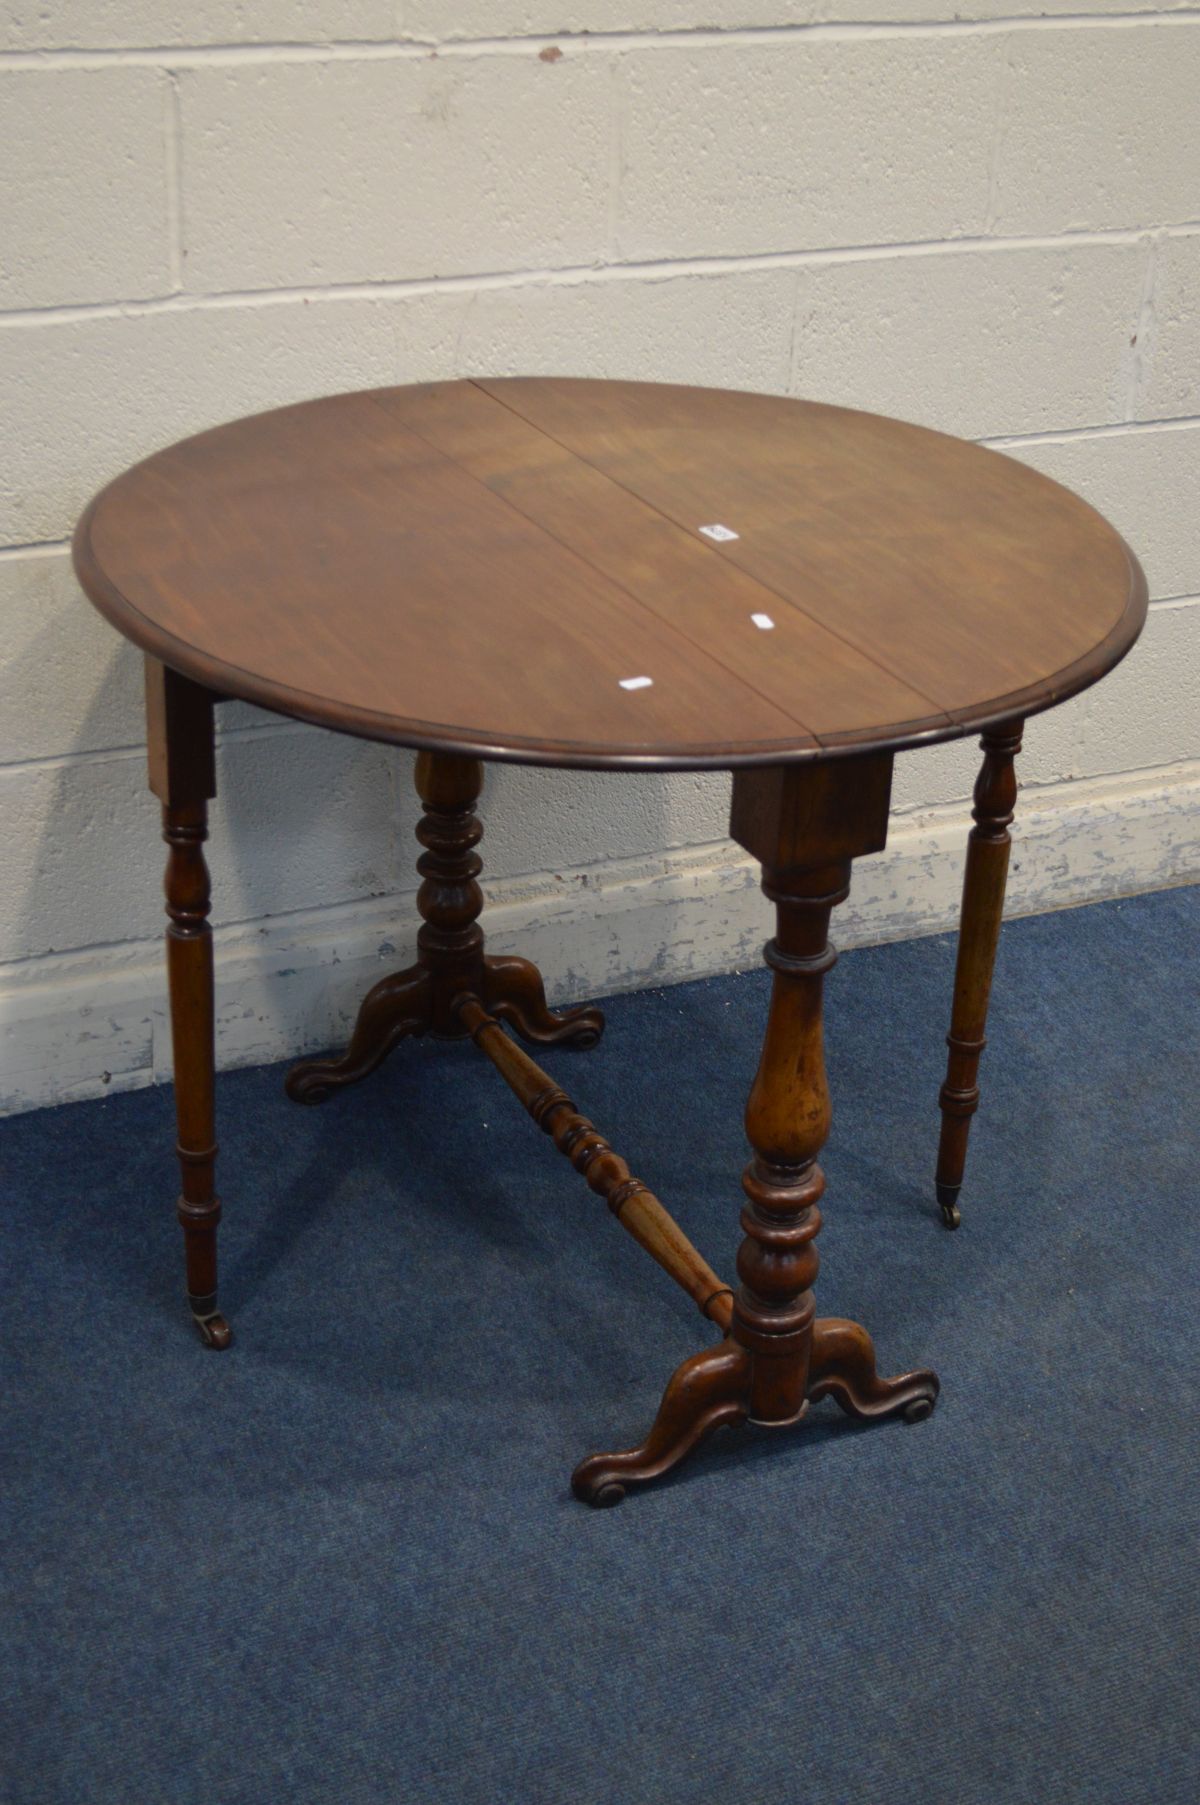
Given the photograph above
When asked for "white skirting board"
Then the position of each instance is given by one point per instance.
(84, 1024)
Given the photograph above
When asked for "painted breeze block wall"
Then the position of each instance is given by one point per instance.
(982, 217)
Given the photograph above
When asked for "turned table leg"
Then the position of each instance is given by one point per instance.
(179, 718)
(978, 936)
(805, 824)
(451, 962)
(788, 1117)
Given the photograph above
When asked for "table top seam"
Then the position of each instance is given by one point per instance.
(649, 538)
(573, 552)
(157, 640)
(718, 551)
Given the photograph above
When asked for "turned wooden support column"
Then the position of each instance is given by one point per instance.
(979, 933)
(450, 940)
(451, 962)
(179, 716)
(805, 823)
(787, 1123)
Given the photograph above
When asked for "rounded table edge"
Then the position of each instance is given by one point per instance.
(229, 682)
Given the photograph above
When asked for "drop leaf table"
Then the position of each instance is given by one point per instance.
(630, 577)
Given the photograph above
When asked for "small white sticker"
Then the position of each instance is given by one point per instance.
(719, 533)
(763, 621)
(635, 682)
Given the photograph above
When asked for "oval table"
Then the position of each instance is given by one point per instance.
(615, 576)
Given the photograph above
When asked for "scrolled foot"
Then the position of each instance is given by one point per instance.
(708, 1390)
(843, 1367)
(312, 1082)
(514, 991)
(947, 1196)
(393, 1009)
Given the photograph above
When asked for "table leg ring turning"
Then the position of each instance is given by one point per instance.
(450, 955)
(775, 1357)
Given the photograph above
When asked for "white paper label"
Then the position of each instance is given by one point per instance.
(635, 682)
(719, 533)
(763, 621)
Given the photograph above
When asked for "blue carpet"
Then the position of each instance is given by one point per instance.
(341, 1563)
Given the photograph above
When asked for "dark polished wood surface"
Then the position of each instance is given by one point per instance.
(522, 570)
(482, 567)
(984, 883)
(805, 825)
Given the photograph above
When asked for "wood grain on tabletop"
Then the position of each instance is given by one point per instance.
(484, 567)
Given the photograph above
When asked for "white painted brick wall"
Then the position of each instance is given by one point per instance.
(84, 191)
(1096, 128)
(303, 823)
(982, 342)
(729, 329)
(982, 214)
(785, 147)
(1147, 481)
(1170, 385)
(306, 174)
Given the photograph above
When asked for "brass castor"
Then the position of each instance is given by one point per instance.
(919, 1409)
(215, 1331)
(947, 1196)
